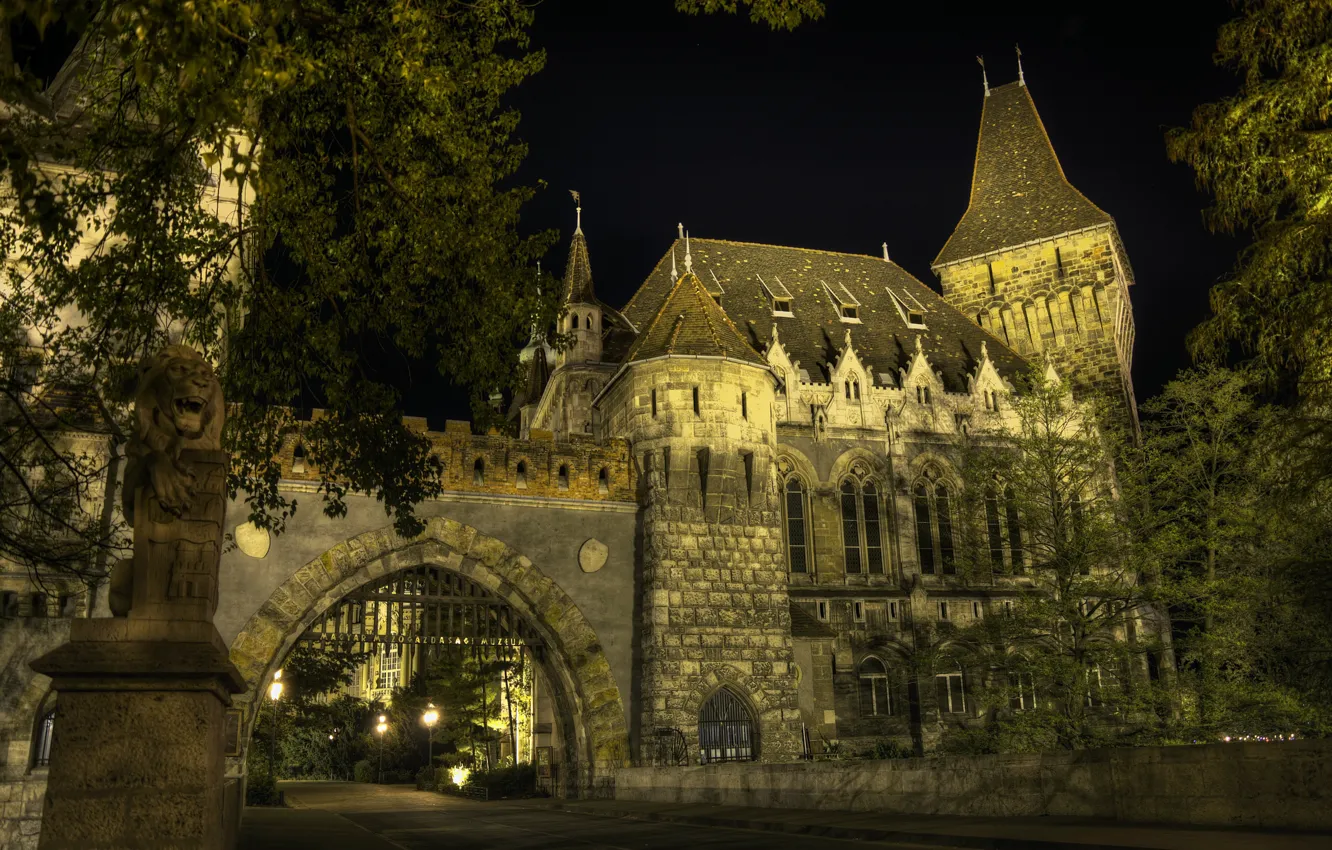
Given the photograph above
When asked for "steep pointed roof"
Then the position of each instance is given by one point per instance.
(538, 375)
(690, 323)
(1019, 193)
(578, 272)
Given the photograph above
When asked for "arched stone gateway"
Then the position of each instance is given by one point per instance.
(587, 696)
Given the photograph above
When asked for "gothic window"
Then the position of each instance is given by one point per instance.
(875, 697)
(797, 540)
(588, 324)
(949, 693)
(862, 526)
(654, 404)
(41, 741)
(575, 321)
(934, 525)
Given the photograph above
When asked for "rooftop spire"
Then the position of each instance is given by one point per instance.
(578, 210)
(885, 253)
(985, 81)
(674, 274)
(1022, 79)
(680, 229)
(689, 258)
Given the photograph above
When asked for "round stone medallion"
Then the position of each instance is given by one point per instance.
(252, 540)
(592, 556)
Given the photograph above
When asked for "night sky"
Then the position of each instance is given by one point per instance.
(861, 128)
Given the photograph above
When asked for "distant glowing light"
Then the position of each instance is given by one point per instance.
(458, 775)
(381, 728)
(431, 716)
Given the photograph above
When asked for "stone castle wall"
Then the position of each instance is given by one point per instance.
(1067, 297)
(715, 607)
(574, 468)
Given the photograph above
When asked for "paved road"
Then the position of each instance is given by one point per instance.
(350, 816)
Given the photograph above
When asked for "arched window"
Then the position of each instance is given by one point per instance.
(725, 730)
(298, 459)
(479, 471)
(41, 739)
(934, 526)
(574, 319)
(797, 540)
(875, 697)
(862, 527)
(564, 477)
(520, 475)
(589, 324)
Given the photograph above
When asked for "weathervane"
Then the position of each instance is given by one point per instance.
(578, 209)
(984, 79)
(1022, 79)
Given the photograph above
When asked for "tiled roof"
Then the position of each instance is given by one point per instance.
(1019, 192)
(815, 332)
(690, 323)
(578, 273)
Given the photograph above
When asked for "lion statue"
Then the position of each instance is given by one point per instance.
(178, 406)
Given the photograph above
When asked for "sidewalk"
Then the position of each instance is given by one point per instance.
(982, 833)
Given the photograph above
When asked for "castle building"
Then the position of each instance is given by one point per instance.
(729, 506)
(789, 414)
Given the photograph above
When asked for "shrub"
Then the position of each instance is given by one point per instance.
(396, 777)
(261, 790)
(516, 781)
(889, 748)
(364, 771)
(426, 778)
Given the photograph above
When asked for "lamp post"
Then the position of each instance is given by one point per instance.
(381, 729)
(275, 694)
(430, 717)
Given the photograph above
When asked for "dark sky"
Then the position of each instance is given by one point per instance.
(862, 127)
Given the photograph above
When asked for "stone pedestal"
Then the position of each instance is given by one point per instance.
(138, 757)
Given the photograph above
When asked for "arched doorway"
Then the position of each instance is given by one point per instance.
(531, 605)
(726, 730)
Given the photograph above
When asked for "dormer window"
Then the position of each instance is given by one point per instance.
(923, 395)
(911, 310)
(779, 295)
(848, 308)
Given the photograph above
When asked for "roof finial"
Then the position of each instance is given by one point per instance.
(578, 207)
(689, 258)
(917, 343)
(1022, 79)
(885, 253)
(674, 274)
(984, 79)
(985, 354)
(680, 229)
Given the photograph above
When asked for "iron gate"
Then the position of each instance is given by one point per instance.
(725, 730)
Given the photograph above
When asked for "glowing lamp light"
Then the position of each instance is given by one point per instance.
(431, 717)
(458, 775)
(275, 689)
(381, 728)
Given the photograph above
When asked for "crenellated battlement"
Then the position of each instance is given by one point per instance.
(576, 468)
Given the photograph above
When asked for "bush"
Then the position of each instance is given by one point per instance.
(426, 778)
(364, 771)
(396, 777)
(516, 781)
(889, 748)
(262, 790)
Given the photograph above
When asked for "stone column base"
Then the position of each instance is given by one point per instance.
(137, 756)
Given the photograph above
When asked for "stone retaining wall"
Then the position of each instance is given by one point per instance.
(21, 804)
(1276, 785)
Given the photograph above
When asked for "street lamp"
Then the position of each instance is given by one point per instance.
(275, 694)
(430, 717)
(381, 729)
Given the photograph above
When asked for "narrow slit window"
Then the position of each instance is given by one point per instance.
(748, 460)
(873, 530)
(666, 466)
(1014, 531)
(696, 408)
(654, 404)
(850, 528)
(744, 406)
(823, 610)
(704, 456)
(924, 543)
(994, 530)
(943, 511)
(795, 526)
(943, 610)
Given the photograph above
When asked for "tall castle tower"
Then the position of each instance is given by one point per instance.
(1036, 263)
(696, 402)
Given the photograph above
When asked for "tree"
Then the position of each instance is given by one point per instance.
(1041, 514)
(1265, 154)
(316, 194)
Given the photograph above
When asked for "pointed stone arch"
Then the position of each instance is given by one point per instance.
(580, 674)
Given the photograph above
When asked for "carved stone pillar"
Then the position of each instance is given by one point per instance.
(138, 751)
